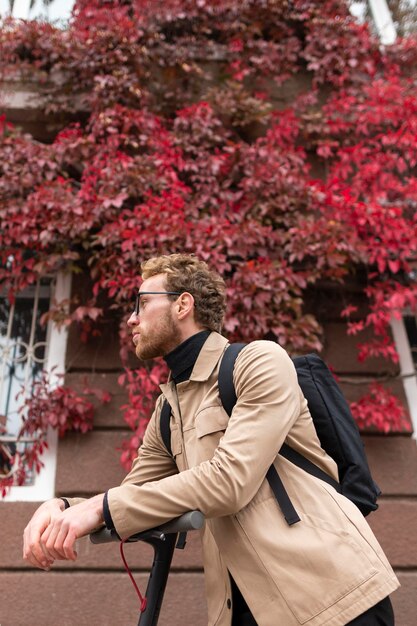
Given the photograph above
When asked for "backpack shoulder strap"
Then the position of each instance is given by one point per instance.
(308, 466)
(226, 386)
(228, 399)
(165, 425)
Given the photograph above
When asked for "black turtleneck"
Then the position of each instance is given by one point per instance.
(182, 358)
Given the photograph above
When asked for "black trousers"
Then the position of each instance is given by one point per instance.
(379, 615)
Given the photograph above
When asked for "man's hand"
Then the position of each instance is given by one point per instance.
(58, 539)
(33, 550)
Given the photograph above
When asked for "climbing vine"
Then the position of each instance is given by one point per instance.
(274, 139)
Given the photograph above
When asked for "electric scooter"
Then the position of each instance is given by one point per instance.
(163, 540)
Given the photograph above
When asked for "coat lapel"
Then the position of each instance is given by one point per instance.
(208, 357)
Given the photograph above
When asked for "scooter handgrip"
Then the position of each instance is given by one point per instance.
(192, 520)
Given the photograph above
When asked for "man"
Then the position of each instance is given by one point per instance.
(326, 569)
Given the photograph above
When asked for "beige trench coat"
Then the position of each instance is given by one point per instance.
(326, 569)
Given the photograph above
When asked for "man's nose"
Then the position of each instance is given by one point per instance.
(133, 320)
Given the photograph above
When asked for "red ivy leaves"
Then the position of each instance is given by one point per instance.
(142, 385)
(59, 407)
(380, 410)
(186, 140)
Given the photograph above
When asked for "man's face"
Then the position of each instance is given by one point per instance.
(155, 329)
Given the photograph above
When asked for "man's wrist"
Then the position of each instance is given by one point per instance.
(97, 502)
(63, 504)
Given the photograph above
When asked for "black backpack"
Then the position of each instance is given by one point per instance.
(336, 429)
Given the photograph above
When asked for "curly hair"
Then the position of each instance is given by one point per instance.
(185, 272)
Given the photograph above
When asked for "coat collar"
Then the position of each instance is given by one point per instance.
(206, 361)
(208, 357)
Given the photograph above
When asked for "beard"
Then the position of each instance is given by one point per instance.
(164, 337)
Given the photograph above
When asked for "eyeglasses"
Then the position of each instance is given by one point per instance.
(151, 293)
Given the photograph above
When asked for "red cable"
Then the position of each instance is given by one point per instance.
(127, 568)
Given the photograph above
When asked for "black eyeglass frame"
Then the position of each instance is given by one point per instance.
(151, 293)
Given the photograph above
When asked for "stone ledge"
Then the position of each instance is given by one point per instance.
(82, 599)
(404, 600)
(394, 525)
(393, 462)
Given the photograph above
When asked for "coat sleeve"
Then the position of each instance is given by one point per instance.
(268, 405)
(153, 461)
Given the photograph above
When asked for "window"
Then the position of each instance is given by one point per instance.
(26, 349)
(50, 10)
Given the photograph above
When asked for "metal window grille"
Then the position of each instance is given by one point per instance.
(23, 353)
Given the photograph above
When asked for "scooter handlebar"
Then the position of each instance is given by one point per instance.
(192, 520)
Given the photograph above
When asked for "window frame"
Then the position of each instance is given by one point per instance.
(43, 487)
(384, 24)
(407, 369)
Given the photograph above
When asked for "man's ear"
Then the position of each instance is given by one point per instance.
(184, 305)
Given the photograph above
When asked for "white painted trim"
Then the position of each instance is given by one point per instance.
(44, 484)
(407, 369)
(383, 21)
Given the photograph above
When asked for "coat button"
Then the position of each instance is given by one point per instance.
(229, 603)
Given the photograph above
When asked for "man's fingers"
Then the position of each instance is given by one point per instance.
(43, 543)
(68, 545)
(33, 560)
(49, 542)
(58, 540)
(33, 552)
(65, 540)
